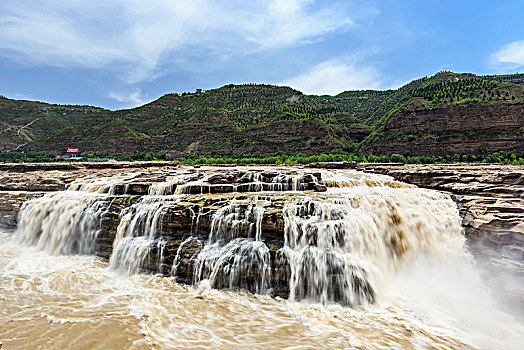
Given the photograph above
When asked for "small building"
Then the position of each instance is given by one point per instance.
(198, 91)
(68, 157)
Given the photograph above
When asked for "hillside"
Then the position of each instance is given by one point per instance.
(25, 123)
(231, 119)
(451, 113)
(444, 114)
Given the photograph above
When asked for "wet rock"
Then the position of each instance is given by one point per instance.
(183, 272)
(10, 203)
(227, 178)
(319, 187)
(138, 188)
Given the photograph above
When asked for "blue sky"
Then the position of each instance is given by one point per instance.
(123, 53)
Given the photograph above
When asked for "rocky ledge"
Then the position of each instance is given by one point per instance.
(490, 199)
(21, 182)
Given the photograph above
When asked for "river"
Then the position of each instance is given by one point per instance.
(429, 301)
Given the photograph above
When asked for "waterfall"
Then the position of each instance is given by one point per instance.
(62, 222)
(329, 236)
(138, 231)
(232, 221)
(234, 255)
(251, 181)
(102, 184)
(339, 248)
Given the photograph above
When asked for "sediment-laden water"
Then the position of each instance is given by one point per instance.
(334, 260)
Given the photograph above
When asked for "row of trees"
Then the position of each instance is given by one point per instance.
(16, 157)
(280, 157)
(340, 156)
(475, 89)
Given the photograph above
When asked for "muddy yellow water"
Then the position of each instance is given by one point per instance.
(76, 302)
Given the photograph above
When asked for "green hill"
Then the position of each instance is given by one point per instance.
(231, 119)
(451, 113)
(257, 118)
(27, 123)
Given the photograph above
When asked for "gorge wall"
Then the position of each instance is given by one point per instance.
(451, 130)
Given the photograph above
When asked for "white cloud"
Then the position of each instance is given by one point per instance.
(137, 38)
(287, 22)
(41, 37)
(128, 99)
(511, 56)
(334, 76)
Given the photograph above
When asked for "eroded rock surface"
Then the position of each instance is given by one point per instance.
(21, 182)
(450, 130)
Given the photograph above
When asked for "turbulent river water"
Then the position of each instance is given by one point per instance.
(399, 244)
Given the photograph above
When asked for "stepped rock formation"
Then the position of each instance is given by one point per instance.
(242, 226)
(289, 232)
(20, 182)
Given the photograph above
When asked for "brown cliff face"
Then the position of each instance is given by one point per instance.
(451, 130)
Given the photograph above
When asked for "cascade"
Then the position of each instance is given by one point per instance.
(339, 248)
(324, 236)
(234, 255)
(62, 222)
(246, 182)
(101, 184)
(137, 233)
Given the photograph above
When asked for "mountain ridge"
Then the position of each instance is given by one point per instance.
(262, 118)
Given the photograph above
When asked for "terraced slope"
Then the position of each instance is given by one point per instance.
(451, 113)
(444, 114)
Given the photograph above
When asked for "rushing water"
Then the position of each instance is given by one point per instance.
(393, 251)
